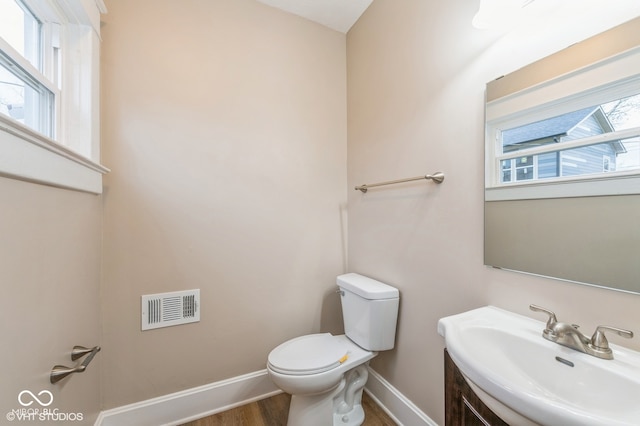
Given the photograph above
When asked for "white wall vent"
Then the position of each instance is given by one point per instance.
(167, 309)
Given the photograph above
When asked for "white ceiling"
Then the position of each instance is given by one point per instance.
(338, 15)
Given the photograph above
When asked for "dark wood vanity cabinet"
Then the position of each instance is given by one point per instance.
(462, 406)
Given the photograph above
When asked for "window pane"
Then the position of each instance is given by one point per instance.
(630, 158)
(506, 170)
(617, 115)
(620, 155)
(11, 95)
(616, 155)
(524, 174)
(21, 30)
(623, 113)
(574, 125)
(25, 101)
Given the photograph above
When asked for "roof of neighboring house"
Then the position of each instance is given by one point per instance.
(552, 129)
(545, 129)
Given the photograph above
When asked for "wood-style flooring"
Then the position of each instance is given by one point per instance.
(274, 412)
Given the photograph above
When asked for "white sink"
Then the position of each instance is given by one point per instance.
(505, 356)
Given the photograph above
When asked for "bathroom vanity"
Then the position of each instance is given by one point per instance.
(503, 370)
(462, 406)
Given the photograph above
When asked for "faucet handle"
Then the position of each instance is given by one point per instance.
(552, 317)
(599, 340)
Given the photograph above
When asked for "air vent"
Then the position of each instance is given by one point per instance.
(167, 309)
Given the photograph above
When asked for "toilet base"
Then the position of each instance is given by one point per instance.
(347, 404)
(313, 410)
(343, 403)
(355, 417)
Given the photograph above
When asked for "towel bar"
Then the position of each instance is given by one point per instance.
(437, 177)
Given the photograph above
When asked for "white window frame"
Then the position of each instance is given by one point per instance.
(71, 158)
(28, 72)
(606, 80)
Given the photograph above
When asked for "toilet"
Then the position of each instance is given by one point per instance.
(325, 374)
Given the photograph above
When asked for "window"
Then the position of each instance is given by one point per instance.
(26, 94)
(49, 122)
(599, 143)
(21, 30)
(575, 135)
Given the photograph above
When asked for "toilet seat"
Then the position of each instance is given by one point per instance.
(310, 354)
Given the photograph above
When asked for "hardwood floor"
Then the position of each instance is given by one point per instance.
(274, 412)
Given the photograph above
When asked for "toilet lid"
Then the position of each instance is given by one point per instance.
(311, 354)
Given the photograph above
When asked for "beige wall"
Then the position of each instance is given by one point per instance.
(416, 77)
(50, 275)
(224, 124)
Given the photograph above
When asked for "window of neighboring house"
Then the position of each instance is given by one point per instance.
(598, 137)
(576, 135)
(49, 123)
(519, 169)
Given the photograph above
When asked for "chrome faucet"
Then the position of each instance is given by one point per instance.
(568, 335)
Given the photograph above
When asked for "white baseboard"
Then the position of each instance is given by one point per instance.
(395, 404)
(192, 404)
(195, 403)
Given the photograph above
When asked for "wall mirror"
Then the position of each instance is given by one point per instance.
(562, 164)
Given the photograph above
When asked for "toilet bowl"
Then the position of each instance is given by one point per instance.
(326, 374)
(314, 363)
(319, 371)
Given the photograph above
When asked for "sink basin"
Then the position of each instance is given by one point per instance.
(506, 360)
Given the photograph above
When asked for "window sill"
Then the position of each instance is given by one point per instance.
(30, 156)
(614, 184)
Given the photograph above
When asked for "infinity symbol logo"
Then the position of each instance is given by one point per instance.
(26, 404)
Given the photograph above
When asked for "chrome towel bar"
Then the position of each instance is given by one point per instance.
(59, 372)
(437, 177)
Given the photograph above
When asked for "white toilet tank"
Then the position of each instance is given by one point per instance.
(370, 311)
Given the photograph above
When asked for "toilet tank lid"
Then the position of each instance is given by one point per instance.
(366, 287)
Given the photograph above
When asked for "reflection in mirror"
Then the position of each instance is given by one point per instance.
(562, 185)
(592, 155)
